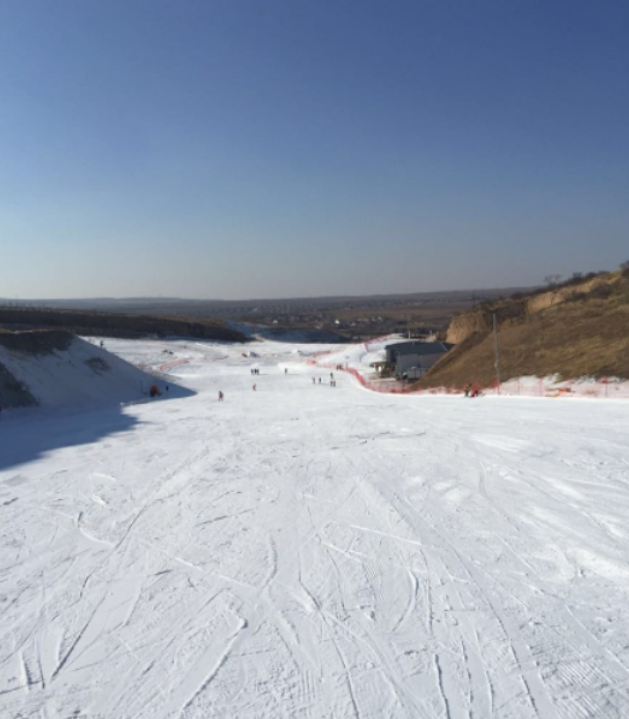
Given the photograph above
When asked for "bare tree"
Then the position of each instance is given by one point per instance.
(552, 280)
(624, 265)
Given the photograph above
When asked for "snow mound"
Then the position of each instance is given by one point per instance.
(57, 369)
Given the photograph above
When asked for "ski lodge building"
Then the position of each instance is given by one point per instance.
(413, 359)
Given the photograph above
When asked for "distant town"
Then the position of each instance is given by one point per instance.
(415, 314)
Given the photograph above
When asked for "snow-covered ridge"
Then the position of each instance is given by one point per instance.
(66, 371)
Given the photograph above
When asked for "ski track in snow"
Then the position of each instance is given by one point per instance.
(316, 552)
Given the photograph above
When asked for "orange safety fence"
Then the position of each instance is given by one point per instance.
(521, 387)
(171, 365)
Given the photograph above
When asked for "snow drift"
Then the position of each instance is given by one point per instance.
(57, 369)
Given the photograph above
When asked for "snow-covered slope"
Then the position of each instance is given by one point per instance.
(73, 373)
(309, 551)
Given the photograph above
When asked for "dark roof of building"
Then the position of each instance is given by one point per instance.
(420, 348)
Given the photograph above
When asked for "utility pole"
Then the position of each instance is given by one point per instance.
(496, 360)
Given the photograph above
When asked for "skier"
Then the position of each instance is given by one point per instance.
(220, 396)
(467, 388)
(285, 370)
(319, 380)
(254, 388)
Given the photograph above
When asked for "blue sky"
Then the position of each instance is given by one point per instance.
(275, 148)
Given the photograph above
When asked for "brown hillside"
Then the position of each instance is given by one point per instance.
(515, 309)
(585, 333)
(109, 324)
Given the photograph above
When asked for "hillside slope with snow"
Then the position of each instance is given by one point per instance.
(58, 370)
(311, 551)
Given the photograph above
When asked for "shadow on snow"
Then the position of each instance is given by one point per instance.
(28, 435)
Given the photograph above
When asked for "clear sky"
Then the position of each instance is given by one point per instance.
(275, 148)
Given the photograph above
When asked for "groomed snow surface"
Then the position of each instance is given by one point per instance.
(311, 551)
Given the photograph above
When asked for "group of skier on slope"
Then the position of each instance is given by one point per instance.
(332, 380)
(221, 395)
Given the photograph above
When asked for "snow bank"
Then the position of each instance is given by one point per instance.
(73, 374)
(553, 386)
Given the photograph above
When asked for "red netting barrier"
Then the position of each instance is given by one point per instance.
(520, 387)
(376, 385)
(171, 365)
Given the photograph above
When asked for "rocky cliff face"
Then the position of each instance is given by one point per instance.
(465, 325)
(513, 311)
(536, 303)
(481, 320)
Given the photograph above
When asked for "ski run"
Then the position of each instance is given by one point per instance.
(304, 550)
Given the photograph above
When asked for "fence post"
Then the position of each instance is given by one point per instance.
(497, 361)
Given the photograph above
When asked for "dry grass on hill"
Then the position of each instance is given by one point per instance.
(586, 336)
(110, 324)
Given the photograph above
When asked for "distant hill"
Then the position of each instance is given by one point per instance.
(113, 324)
(578, 329)
(348, 318)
